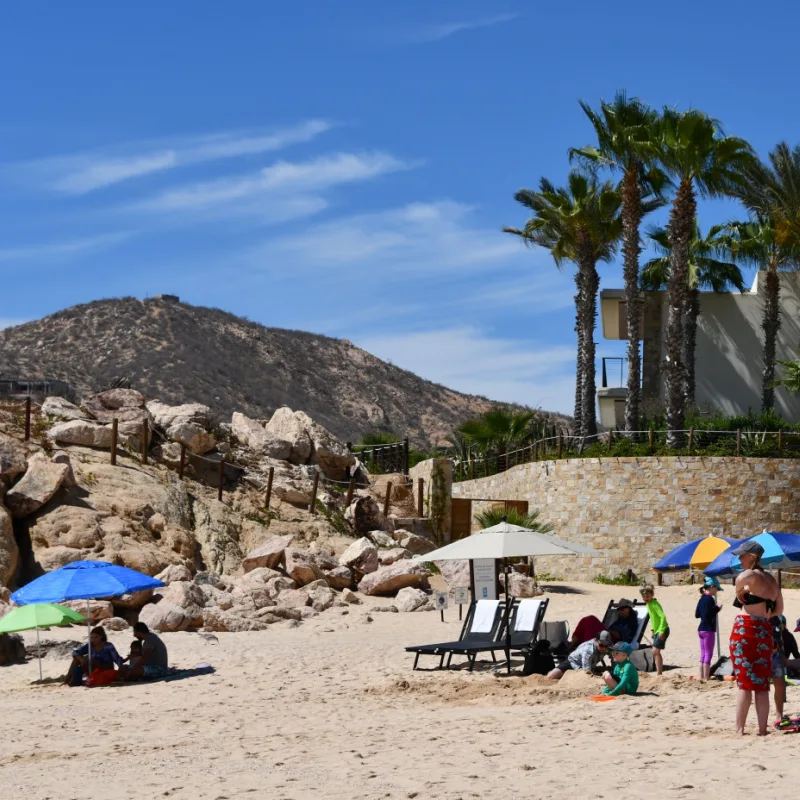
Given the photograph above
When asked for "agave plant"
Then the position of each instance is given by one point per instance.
(530, 520)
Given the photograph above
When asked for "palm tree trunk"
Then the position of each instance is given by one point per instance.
(771, 325)
(690, 344)
(631, 219)
(578, 425)
(681, 221)
(591, 283)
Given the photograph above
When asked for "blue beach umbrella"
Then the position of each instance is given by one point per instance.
(781, 551)
(697, 554)
(84, 580)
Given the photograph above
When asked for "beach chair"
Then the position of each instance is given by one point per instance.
(484, 623)
(520, 633)
(640, 609)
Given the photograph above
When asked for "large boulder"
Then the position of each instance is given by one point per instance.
(188, 424)
(302, 566)
(60, 408)
(62, 457)
(269, 554)
(217, 528)
(320, 594)
(165, 617)
(338, 577)
(9, 552)
(125, 405)
(349, 596)
(188, 596)
(289, 427)
(410, 599)
(134, 600)
(456, 573)
(97, 609)
(115, 624)
(215, 619)
(365, 515)
(174, 572)
(418, 545)
(40, 482)
(520, 585)
(12, 458)
(362, 554)
(12, 649)
(280, 584)
(89, 434)
(255, 437)
(294, 598)
(381, 539)
(390, 579)
(393, 554)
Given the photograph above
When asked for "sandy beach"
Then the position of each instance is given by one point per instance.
(332, 709)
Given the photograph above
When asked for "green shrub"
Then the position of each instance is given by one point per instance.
(619, 580)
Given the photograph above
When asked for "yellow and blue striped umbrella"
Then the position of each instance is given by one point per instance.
(694, 555)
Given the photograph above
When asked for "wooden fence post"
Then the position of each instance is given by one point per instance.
(471, 467)
(421, 497)
(560, 443)
(221, 479)
(651, 437)
(610, 438)
(114, 432)
(351, 487)
(405, 456)
(269, 486)
(313, 507)
(660, 578)
(691, 439)
(387, 498)
(145, 436)
(28, 418)
(738, 441)
(182, 462)
(780, 444)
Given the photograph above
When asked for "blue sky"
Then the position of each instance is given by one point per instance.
(346, 167)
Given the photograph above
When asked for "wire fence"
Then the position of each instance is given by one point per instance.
(693, 441)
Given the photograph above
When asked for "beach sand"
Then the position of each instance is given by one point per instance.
(332, 709)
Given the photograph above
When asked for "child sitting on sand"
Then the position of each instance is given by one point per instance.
(658, 621)
(135, 655)
(625, 678)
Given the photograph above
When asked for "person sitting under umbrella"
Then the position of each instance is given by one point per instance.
(154, 662)
(104, 656)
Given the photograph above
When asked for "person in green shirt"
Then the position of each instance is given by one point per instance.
(659, 624)
(624, 679)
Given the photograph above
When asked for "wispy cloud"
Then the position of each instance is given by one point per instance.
(435, 33)
(282, 178)
(61, 249)
(470, 360)
(86, 172)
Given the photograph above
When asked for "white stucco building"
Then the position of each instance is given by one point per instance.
(729, 355)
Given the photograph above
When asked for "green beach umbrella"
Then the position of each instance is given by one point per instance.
(39, 615)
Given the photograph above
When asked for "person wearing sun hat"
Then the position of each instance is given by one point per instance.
(624, 679)
(707, 611)
(759, 598)
(625, 626)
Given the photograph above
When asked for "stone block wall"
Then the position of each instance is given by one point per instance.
(635, 510)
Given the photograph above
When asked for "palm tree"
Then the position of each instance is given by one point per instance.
(530, 520)
(791, 376)
(706, 271)
(580, 223)
(771, 193)
(696, 154)
(626, 131)
(499, 430)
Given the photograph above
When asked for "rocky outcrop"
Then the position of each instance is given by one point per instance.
(187, 596)
(12, 459)
(520, 585)
(269, 554)
(418, 545)
(253, 435)
(217, 528)
(40, 482)
(188, 424)
(285, 424)
(115, 624)
(302, 567)
(165, 617)
(320, 595)
(390, 579)
(338, 577)
(456, 573)
(9, 552)
(362, 554)
(125, 405)
(89, 434)
(174, 572)
(393, 554)
(365, 515)
(97, 610)
(381, 539)
(59, 408)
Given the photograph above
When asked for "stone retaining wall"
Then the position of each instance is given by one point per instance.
(635, 510)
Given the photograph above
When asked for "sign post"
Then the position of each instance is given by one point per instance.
(485, 571)
(461, 599)
(440, 600)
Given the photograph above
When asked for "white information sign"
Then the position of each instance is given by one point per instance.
(485, 580)
(461, 596)
(441, 601)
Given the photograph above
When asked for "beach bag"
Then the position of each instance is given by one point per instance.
(556, 632)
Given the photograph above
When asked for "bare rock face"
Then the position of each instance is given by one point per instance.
(390, 579)
(188, 596)
(338, 577)
(174, 572)
(12, 649)
(165, 617)
(254, 436)
(9, 552)
(188, 424)
(456, 573)
(362, 554)
(410, 599)
(98, 609)
(12, 458)
(393, 554)
(125, 405)
(217, 528)
(288, 426)
(418, 545)
(60, 408)
(270, 554)
(302, 566)
(40, 482)
(365, 515)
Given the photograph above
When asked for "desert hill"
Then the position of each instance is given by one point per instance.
(178, 352)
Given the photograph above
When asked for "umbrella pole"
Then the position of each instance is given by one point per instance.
(89, 636)
(39, 652)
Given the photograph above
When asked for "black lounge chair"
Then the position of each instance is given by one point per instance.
(643, 616)
(484, 624)
(520, 633)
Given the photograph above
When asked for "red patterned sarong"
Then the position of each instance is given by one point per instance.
(751, 652)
